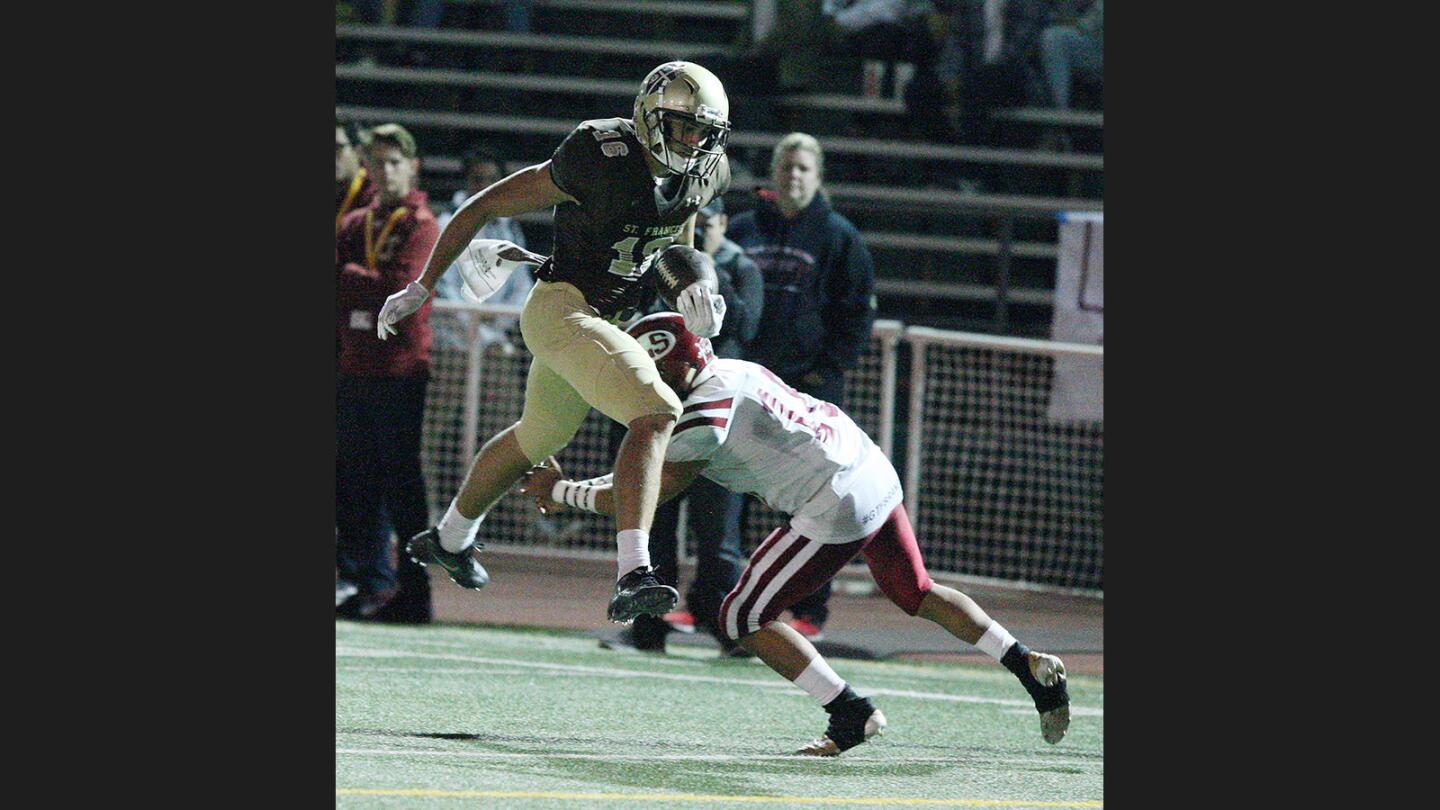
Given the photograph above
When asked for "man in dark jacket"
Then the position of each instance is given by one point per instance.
(714, 512)
(380, 389)
(819, 293)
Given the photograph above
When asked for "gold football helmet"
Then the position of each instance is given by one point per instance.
(683, 118)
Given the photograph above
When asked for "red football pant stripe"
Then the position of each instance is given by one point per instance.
(788, 566)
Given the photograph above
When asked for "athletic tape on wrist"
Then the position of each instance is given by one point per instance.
(578, 494)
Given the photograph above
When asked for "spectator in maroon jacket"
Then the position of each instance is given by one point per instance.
(380, 390)
(353, 187)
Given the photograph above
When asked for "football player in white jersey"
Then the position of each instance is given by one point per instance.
(745, 429)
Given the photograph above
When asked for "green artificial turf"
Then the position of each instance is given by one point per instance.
(466, 716)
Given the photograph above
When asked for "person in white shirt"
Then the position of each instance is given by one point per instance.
(743, 428)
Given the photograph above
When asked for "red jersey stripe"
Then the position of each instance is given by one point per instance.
(707, 406)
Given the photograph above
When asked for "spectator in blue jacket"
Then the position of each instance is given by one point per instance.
(819, 293)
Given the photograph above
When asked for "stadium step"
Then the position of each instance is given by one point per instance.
(703, 20)
(609, 57)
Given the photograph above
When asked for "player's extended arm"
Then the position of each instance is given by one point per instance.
(544, 483)
(529, 189)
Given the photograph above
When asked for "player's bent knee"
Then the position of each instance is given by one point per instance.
(542, 442)
(502, 452)
(663, 400)
(910, 600)
(906, 591)
(665, 408)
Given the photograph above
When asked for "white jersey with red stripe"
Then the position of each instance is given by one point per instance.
(800, 455)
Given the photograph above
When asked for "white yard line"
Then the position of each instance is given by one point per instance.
(960, 758)
(609, 672)
(667, 660)
(673, 798)
(433, 670)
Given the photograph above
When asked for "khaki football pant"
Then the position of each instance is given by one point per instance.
(580, 361)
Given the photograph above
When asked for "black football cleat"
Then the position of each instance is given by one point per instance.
(464, 570)
(635, 638)
(640, 593)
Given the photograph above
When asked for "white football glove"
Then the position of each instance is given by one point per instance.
(400, 306)
(486, 264)
(704, 311)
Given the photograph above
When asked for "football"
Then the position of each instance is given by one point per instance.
(677, 267)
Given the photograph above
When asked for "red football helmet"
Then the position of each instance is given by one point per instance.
(679, 354)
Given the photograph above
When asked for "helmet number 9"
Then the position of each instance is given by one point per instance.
(627, 262)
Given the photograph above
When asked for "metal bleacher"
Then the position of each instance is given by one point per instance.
(945, 256)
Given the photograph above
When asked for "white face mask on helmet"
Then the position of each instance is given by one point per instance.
(683, 118)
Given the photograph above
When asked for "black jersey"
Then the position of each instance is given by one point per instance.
(622, 215)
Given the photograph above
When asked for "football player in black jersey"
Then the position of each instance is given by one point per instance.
(622, 190)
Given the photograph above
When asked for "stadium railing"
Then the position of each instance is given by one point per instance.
(998, 490)
(995, 482)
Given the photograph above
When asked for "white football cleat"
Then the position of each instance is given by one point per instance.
(1050, 672)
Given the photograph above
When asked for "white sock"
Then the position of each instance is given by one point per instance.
(457, 532)
(633, 550)
(995, 641)
(820, 681)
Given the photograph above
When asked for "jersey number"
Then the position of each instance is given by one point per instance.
(627, 262)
